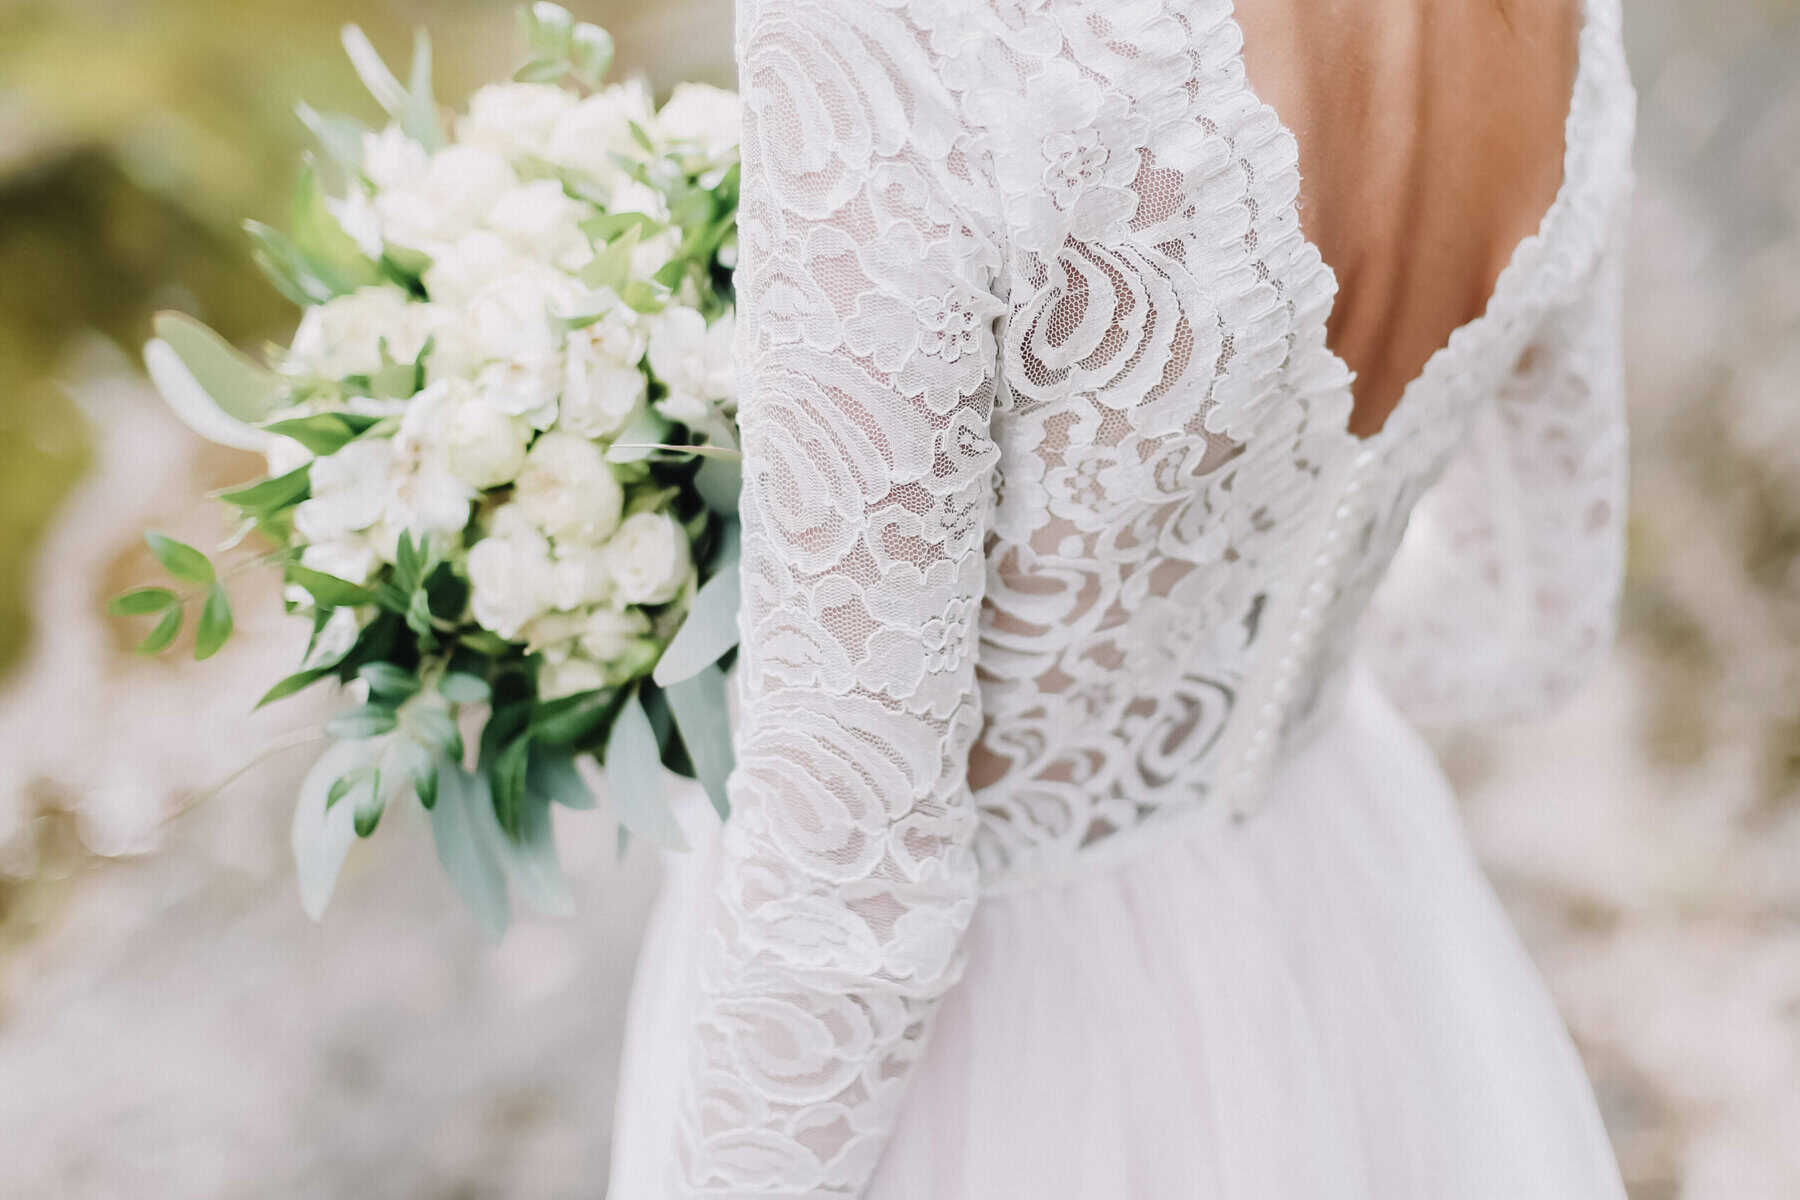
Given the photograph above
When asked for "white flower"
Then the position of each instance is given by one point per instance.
(511, 318)
(485, 446)
(459, 270)
(569, 677)
(608, 634)
(344, 336)
(582, 577)
(526, 387)
(589, 133)
(651, 254)
(356, 215)
(628, 195)
(392, 160)
(514, 118)
(540, 220)
(695, 361)
(650, 559)
(455, 195)
(349, 491)
(568, 490)
(335, 638)
(600, 394)
(509, 579)
(707, 117)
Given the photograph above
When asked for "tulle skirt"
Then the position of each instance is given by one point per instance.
(1324, 1003)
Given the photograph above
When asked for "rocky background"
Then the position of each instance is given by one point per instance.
(172, 1025)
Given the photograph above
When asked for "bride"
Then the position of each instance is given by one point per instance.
(1144, 405)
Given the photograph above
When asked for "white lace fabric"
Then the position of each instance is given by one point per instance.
(1053, 526)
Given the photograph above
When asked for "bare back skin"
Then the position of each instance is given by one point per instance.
(1431, 138)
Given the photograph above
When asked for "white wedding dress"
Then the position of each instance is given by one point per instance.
(1078, 849)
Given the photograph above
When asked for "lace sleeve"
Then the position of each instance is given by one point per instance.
(866, 350)
(1504, 594)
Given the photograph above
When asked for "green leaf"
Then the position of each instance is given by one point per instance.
(296, 682)
(463, 830)
(328, 591)
(641, 436)
(459, 687)
(163, 634)
(285, 266)
(142, 602)
(483, 641)
(242, 389)
(362, 722)
(508, 779)
(529, 857)
(215, 623)
(341, 786)
(340, 137)
(420, 119)
(590, 54)
(542, 70)
(435, 728)
(180, 559)
(369, 806)
(271, 495)
(555, 775)
(425, 787)
(611, 267)
(703, 718)
(331, 255)
(322, 835)
(324, 433)
(572, 720)
(385, 679)
(711, 629)
(634, 779)
(719, 481)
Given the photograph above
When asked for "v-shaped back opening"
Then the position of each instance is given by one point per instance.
(1389, 404)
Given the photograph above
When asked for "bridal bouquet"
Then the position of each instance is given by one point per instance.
(502, 479)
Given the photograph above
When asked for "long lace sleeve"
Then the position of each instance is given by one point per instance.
(1505, 591)
(866, 351)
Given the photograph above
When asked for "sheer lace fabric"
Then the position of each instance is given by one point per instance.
(1053, 527)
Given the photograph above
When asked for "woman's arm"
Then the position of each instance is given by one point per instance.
(1505, 592)
(866, 350)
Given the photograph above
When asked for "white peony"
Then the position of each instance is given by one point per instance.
(512, 317)
(568, 490)
(608, 634)
(460, 270)
(509, 580)
(695, 361)
(348, 557)
(526, 387)
(600, 394)
(708, 118)
(568, 677)
(649, 558)
(349, 491)
(582, 578)
(540, 220)
(344, 336)
(455, 195)
(485, 446)
(393, 161)
(589, 133)
(515, 118)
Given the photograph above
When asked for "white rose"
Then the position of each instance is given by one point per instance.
(650, 559)
(511, 318)
(459, 270)
(486, 447)
(695, 361)
(349, 491)
(525, 387)
(539, 220)
(704, 116)
(582, 577)
(569, 677)
(590, 132)
(608, 635)
(514, 118)
(344, 335)
(568, 490)
(509, 581)
(600, 394)
(394, 161)
(456, 194)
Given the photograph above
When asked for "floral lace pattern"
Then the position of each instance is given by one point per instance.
(1053, 525)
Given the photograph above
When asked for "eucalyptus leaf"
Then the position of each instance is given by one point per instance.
(553, 774)
(530, 859)
(711, 628)
(459, 687)
(385, 679)
(361, 722)
(634, 778)
(340, 137)
(719, 481)
(240, 389)
(703, 716)
(466, 849)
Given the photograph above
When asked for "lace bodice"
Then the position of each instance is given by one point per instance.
(1053, 526)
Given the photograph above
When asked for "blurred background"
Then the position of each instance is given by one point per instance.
(172, 1025)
